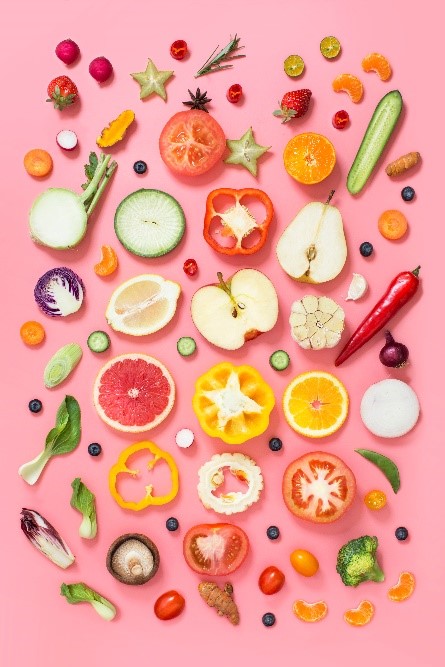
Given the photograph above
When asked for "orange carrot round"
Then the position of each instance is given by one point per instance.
(393, 225)
(32, 333)
(38, 162)
(108, 262)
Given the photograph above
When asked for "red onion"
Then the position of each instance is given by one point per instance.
(393, 354)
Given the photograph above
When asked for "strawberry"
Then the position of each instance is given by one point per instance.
(294, 104)
(62, 92)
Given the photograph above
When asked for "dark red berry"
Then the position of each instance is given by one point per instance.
(340, 120)
(235, 93)
(178, 49)
(190, 267)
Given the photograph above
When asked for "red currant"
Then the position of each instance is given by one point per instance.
(190, 267)
(178, 49)
(340, 120)
(235, 93)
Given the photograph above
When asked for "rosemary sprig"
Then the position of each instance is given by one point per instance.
(213, 63)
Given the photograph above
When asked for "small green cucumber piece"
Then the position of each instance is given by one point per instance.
(279, 360)
(98, 341)
(388, 467)
(61, 364)
(376, 137)
(186, 346)
(149, 223)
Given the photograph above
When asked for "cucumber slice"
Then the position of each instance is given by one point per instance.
(98, 341)
(149, 223)
(376, 137)
(186, 346)
(279, 360)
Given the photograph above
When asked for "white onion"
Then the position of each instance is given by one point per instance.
(390, 408)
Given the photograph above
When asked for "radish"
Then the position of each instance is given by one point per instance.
(100, 69)
(67, 139)
(58, 217)
(67, 51)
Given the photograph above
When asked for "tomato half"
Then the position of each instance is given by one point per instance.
(192, 142)
(318, 487)
(215, 548)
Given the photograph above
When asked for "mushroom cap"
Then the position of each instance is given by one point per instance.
(133, 559)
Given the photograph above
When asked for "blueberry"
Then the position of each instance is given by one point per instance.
(366, 249)
(35, 405)
(268, 619)
(273, 532)
(172, 524)
(275, 444)
(408, 193)
(140, 167)
(94, 449)
(401, 533)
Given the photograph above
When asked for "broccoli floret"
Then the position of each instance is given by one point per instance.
(357, 561)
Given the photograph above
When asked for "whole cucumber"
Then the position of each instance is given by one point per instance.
(376, 137)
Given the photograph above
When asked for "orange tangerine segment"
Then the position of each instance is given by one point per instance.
(404, 587)
(375, 62)
(361, 615)
(310, 612)
(315, 404)
(349, 83)
(309, 158)
(108, 262)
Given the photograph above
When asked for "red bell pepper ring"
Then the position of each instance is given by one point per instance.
(237, 221)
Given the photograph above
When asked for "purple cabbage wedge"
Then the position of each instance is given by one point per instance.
(46, 538)
(59, 292)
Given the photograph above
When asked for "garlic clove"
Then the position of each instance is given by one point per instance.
(357, 288)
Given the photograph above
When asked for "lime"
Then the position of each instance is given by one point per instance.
(294, 65)
(330, 47)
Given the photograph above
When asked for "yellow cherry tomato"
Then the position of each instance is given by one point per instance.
(375, 500)
(304, 562)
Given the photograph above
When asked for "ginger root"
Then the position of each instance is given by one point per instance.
(221, 599)
(402, 164)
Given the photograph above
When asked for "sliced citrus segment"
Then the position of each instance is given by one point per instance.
(143, 305)
(361, 615)
(133, 393)
(349, 83)
(294, 65)
(108, 262)
(404, 587)
(375, 62)
(315, 404)
(330, 47)
(309, 158)
(310, 612)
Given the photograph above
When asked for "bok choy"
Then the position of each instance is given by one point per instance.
(84, 501)
(75, 593)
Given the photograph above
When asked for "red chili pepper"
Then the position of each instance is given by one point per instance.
(237, 222)
(399, 292)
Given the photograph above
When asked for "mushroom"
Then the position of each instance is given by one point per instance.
(133, 559)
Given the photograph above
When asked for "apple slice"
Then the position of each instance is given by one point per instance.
(228, 314)
(312, 249)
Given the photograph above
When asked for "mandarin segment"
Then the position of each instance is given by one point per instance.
(310, 612)
(404, 587)
(349, 83)
(309, 158)
(361, 615)
(375, 62)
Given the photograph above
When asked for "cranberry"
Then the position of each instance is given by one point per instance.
(234, 93)
(340, 120)
(178, 49)
(190, 267)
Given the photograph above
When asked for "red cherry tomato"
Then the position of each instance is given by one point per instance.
(178, 49)
(169, 605)
(271, 580)
(340, 120)
(190, 267)
(234, 93)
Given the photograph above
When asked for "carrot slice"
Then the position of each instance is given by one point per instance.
(38, 162)
(108, 262)
(393, 225)
(32, 333)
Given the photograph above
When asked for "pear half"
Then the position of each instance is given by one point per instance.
(312, 248)
(230, 313)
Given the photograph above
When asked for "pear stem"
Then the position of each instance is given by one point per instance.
(331, 194)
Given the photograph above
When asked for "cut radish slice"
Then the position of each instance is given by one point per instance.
(185, 438)
(67, 139)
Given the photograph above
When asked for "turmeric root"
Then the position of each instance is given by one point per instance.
(221, 599)
(402, 164)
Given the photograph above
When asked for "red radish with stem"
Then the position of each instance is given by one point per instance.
(100, 69)
(67, 140)
(67, 51)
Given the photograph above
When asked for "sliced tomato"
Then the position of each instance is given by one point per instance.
(192, 142)
(215, 548)
(318, 487)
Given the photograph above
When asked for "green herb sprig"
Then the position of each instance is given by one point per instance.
(213, 63)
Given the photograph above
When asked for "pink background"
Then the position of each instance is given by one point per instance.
(38, 626)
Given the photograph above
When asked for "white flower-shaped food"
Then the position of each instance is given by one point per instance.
(316, 322)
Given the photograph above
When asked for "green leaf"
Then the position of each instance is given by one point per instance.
(90, 169)
(68, 436)
(388, 467)
(75, 593)
(84, 501)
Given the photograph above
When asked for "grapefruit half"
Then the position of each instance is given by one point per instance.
(133, 393)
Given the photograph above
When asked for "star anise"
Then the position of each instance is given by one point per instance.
(198, 100)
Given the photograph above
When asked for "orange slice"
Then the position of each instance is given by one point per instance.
(310, 612)
(315, 404)
(349, 83)
(361, 615)
(309, 158)
(375, 62)
(404, 587)
(108, 263)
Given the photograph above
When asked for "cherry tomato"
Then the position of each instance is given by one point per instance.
(304, 562)
(235, 93)
(271, 580)
(190, 267)
(340, 120)
(169, 605)
(375, 500)
(178, 49)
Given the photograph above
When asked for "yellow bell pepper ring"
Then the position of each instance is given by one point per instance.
(233, 403)
(120, 468)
